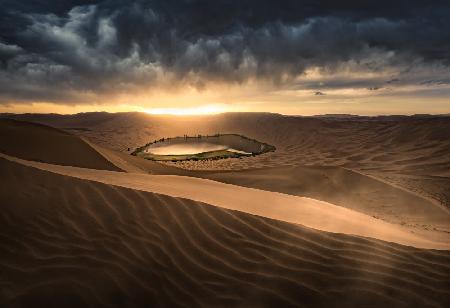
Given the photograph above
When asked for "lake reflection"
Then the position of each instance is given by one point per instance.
(188, 148)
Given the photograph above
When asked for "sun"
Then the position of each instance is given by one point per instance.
(198, 110)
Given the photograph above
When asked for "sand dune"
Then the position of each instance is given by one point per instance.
(337, 185)
(42, 143)
(68, 242)
(333, 184)
(158, 235)
(345, 188)
(412, 152)
(407, 144)
(129, 163)
(305, 211)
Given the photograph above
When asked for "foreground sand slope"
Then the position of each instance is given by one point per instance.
(67, 242)
(308, 212)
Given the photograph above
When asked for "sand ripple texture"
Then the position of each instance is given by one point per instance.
(66, 242)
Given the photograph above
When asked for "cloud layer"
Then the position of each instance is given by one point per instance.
(76, 51)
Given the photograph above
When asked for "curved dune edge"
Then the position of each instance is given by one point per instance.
(404, 207)
(114, 159)
(33, 141)
(431, 200)
(300, 210)
(68, 242)
(128, 163)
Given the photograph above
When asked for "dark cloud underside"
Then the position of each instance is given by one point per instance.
(54, 50)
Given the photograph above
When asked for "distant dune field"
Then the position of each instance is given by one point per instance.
(408, 152)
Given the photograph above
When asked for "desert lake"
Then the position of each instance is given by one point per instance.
(190, 148)
(202, 147)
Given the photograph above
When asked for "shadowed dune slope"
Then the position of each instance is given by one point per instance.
(135, 164)
(336, 185)
(342, 187)
(293, 209)
(402, 144)
(69, 242)
(409, 151)
(409, 145)
(42, 143)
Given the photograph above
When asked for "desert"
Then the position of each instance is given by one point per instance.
(141, 232)
(217, 153)
(200, 147)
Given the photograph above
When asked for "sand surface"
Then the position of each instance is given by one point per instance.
(82, 225)
(42, 143)
(417, 201)
(67, 242)
(412, 152)
(345, 188)
(305, 211)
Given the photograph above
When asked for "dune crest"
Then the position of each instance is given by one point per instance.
(47, 144)
(82, 237)
(68, 242)
(305, 211)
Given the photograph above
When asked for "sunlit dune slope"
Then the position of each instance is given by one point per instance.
(337, 185)
(411, 152)
(342, 187)
(308, 212)
(68, 242)
(333, 184)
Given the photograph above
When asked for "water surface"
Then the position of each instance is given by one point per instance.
(189, 148)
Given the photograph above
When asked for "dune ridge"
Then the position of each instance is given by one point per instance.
(342, 187)
(305, 211)
(79, 237)
(401, 144)
(128, 248)
(408, 151)
(338, 185)
(43, 143)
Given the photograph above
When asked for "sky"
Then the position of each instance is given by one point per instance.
(204, 56)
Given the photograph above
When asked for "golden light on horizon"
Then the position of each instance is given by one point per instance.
(198, 110)
(254, 97)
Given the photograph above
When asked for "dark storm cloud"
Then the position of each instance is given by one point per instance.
(53, 50)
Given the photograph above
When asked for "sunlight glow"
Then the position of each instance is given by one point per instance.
(199, 110)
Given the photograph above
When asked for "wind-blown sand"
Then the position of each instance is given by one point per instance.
(80, 236)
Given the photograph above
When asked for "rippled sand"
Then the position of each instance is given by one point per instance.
(99, 239)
